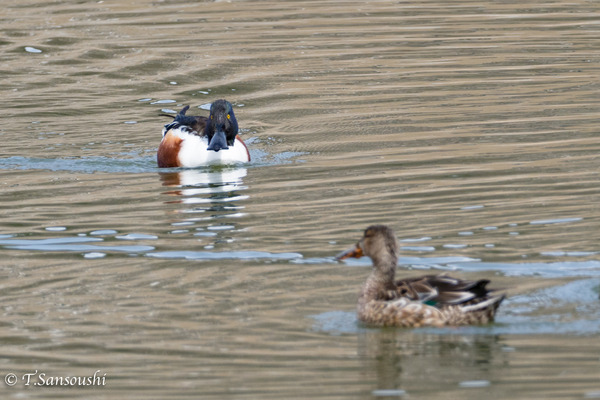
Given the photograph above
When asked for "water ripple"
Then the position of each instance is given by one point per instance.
(236, 255)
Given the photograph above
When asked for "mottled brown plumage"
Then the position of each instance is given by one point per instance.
(430, 300)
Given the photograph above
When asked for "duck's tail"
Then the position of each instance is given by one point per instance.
(484, 310)
(195, 123)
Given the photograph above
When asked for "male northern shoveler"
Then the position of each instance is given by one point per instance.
(192, 141)
(430, 300)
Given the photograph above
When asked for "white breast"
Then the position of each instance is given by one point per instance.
(193, 152)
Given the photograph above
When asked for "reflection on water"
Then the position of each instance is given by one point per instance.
(401, 361)
(218, 188)
(478, 366)
(226, 176)
(215, 194)
(211, 200)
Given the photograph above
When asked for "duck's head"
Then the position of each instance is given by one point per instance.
(379, 243)
(221, 127)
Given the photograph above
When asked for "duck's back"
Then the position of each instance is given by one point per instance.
(432, 300)
(443, 290)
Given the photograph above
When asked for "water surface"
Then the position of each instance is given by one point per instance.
(470, 128)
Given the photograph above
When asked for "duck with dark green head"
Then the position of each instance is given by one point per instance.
(194, 141)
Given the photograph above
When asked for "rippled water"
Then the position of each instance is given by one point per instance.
(469, 127)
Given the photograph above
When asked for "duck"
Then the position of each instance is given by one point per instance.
(195, 141)
(430, 300)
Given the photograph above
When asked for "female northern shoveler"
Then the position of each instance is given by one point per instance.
(431, 300)
(192, 141)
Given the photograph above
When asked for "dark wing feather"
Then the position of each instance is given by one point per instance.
(195, 123)
(443, 290)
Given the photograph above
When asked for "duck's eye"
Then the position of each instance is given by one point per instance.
(228, 116)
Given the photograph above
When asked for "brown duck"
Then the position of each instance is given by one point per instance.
(430, 300)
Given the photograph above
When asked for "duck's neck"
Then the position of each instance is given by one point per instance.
(381, 279)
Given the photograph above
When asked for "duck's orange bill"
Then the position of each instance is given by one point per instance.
(353, 252)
